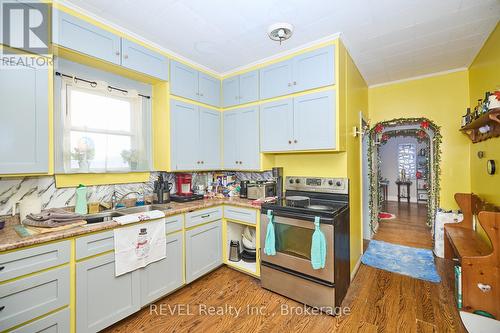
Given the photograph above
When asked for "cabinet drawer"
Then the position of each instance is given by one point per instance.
(240, 214)
(94, 244)
(33, 296)
(173, 223)
(57, 322)
(22, 262)
(203, 216)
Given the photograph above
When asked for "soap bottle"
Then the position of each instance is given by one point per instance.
(81, 200)
(140, 199)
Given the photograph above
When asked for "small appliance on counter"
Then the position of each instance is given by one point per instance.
(184, 184)
(261, 189)
(162, 190)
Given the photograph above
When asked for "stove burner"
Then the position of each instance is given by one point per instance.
(319, 207)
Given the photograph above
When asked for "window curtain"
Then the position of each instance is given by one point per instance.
(101, 129)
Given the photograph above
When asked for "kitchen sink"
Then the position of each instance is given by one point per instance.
(141, 209)
(101, 217)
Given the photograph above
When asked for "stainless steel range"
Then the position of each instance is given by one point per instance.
(290, 272)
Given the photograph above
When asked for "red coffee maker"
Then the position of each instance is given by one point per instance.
(184, 181)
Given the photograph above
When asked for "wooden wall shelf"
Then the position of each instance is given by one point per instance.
(478, 257)
(490, 118)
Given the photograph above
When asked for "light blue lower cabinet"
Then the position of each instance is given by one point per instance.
(203, 249)
(102, 299)
(57, 322)
(161, 277)
(33, 296)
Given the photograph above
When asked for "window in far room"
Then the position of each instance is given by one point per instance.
(407, 160)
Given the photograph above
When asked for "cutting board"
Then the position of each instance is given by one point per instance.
(39, 230)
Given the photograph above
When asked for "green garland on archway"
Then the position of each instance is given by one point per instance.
(427, 131)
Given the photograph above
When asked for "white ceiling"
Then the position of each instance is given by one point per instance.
(388, 39)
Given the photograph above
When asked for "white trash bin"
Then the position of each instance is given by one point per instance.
(441, 219)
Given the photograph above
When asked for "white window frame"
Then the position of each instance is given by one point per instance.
(410, 174)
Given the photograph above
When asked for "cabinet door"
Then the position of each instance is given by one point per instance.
(276, 125)
(209, 151)
(161, 277)
(249, 149)
(183, 80)
(57, 322)
(249, 87)
(231, 136)
(143, 60)
(276, 80)
(314, 121)
(184, 131)
(209, 89)
(79, 35)
(102, 299)
(24, 119)
(314, 69)
(203, 250)
(231, 91)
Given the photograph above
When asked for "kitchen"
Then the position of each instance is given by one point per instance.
(148, 179)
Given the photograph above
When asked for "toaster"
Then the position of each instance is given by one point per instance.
(261, 190)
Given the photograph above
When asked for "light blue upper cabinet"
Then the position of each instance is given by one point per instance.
(249, 87)
(208, 89)
(210, 141)
(184, 135)
(24, 124)
(241, 139)
(141, 59)
(249, 148)
(78, 35)
(231, 135)
(183, 80)
(276, 126)
(231, 91)
(276, 79)
(314, 121)
(314, 69)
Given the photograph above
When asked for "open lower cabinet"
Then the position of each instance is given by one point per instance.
(235, 231)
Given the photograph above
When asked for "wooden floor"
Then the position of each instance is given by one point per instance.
(379, 301)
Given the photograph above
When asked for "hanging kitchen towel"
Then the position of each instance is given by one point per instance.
(139, 245)
(270, 243)
(137, 217)
(318, 247)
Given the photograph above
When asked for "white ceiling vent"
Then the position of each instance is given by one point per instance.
(280, 31)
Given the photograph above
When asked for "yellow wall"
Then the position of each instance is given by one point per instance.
(443, 99)
(484, 75)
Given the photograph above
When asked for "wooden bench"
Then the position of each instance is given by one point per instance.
(479, 256)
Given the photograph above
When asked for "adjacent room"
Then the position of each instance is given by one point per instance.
(258, 166)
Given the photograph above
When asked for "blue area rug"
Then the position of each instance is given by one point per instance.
(410, 261)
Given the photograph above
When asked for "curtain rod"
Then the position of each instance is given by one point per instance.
(93, 84)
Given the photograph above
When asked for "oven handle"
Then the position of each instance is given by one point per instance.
(324, 220)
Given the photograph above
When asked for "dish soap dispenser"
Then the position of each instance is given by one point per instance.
(81, 200)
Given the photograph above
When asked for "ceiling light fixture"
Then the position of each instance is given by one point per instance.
(280, 31)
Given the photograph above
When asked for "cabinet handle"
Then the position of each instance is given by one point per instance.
(197, 94)
(117, 53)
(205, 216)
(1, 268)
(241, 162)
(2, 307)
(201, 94)
(202, 162)
(198, 162)
(289, 84)
(294, 141)
(294, 83)
(126, 56)
(289, 142)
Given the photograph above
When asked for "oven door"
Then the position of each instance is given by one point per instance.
(293, 246)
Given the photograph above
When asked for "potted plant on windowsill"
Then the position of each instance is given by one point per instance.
(84, 153)
(131, 157)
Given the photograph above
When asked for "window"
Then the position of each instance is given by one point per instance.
(103, 130)
(407, 160)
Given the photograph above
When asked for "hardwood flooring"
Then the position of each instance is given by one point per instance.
(379, 301)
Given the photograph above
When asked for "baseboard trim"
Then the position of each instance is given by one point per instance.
(356, 267)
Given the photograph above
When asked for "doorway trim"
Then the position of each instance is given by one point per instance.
(421, 128)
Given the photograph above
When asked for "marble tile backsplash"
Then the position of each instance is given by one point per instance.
(13, 190)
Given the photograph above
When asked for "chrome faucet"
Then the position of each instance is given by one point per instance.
(116, 202)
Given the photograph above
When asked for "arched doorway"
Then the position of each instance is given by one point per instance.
(424, 130)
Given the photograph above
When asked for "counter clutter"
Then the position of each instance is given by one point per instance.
(10, 240)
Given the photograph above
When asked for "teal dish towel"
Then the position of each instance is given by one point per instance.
(270, 243)
(318, 247)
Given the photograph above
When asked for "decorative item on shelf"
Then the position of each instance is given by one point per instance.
(486, 126)
(467, 118)
(131, 157)
(494, 100)
(84, 153)
(418, 175)
(491, 167)
(484, 129)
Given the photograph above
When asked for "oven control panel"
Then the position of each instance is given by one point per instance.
(317, 184)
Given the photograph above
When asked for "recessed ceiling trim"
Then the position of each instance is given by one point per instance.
(281, 54)
(413, 78)
(134, 35)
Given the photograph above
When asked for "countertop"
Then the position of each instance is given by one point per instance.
(10, 240)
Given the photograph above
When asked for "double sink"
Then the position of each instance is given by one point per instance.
(110, 214)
